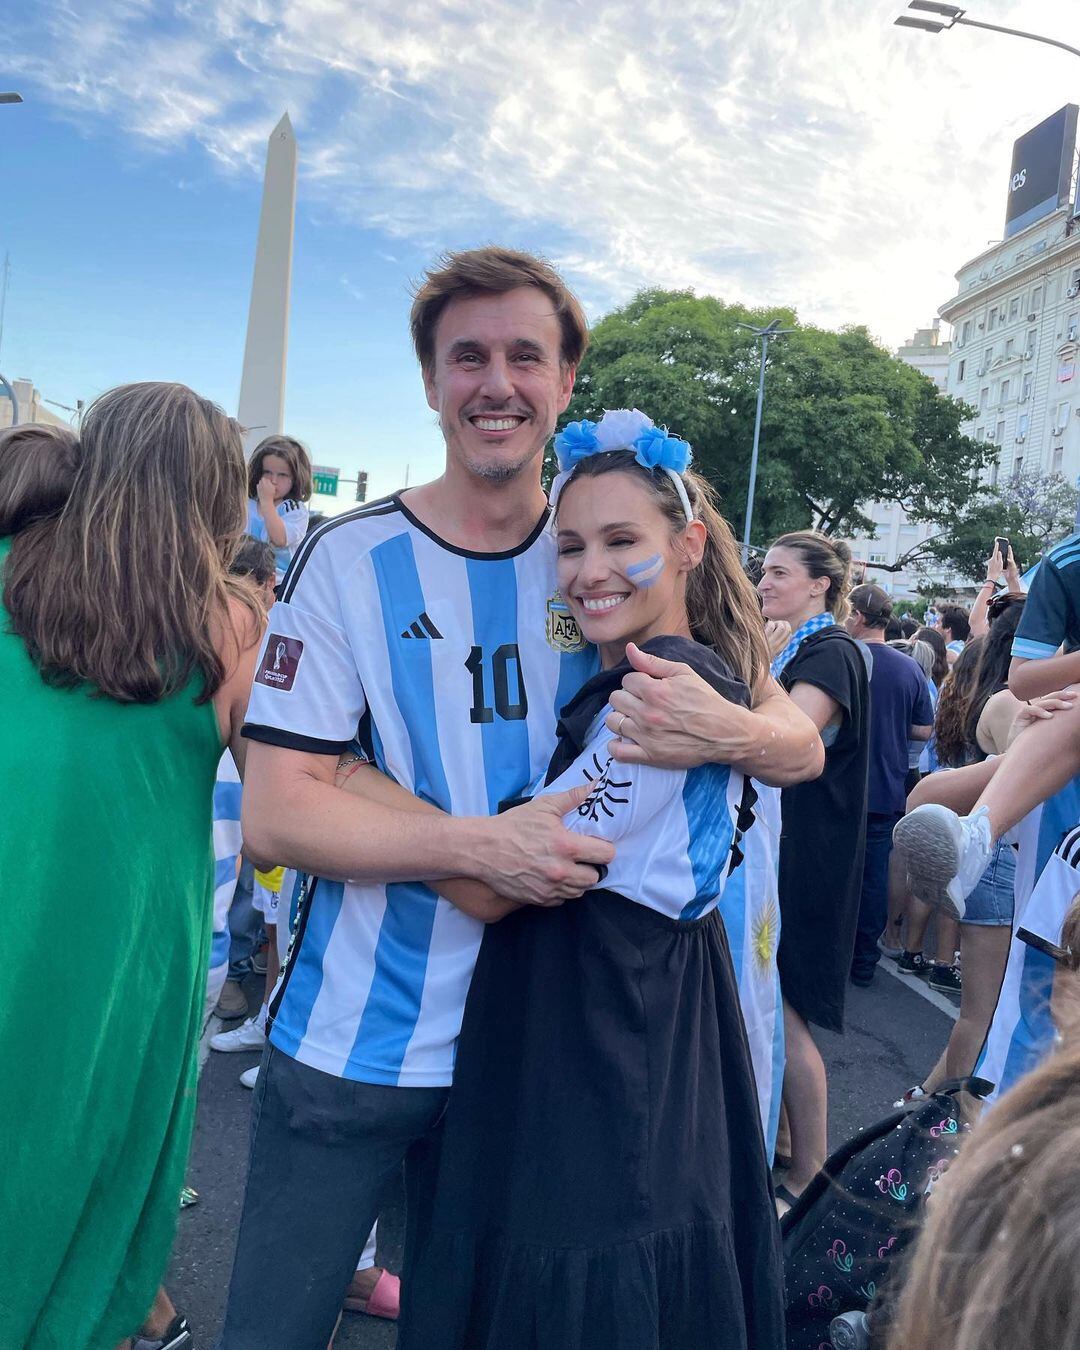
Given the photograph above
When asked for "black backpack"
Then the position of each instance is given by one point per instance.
(862, 1210)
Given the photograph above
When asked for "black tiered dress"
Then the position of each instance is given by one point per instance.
(603, 1182)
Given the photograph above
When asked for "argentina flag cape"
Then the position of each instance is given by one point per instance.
(1047, 881)
(750, 907)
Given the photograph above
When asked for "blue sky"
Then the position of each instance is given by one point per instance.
(797, 152)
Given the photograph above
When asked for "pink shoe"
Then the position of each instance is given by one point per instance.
(384, 1300)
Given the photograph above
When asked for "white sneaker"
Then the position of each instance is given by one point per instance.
(248, 1035)
(248, 1077)
(944, 854)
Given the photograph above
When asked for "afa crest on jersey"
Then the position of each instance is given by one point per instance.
(563, 632)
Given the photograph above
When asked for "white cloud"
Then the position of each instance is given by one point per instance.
(805, 152)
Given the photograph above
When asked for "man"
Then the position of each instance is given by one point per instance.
(955, 629)
(432, 620)
(900, 712)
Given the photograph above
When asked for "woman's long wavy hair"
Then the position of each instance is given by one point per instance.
(992, 674)
(954, 750)
(125, 586)
(721, 604)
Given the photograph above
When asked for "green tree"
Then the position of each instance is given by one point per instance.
(1032, 512)
(845, 422)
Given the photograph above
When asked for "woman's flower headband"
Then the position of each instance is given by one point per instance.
(624, 429)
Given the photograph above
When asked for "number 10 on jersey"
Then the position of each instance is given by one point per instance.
(499, 679)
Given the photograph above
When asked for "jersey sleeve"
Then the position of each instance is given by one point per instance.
(294, 516)
(307, 694)
(624, 797)
(1047, 617)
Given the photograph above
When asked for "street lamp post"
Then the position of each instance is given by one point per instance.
(765, 335)
(954, 15)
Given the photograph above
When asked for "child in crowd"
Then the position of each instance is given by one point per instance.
(279, 487)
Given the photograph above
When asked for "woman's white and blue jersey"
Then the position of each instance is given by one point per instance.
(294, 515)
(675, 827)
(450, 666)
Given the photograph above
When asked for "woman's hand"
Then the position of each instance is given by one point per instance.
(777, 635)
(994, 565)
(1012, 575)
(1040, 710)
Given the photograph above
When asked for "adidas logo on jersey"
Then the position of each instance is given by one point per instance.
(421, 628)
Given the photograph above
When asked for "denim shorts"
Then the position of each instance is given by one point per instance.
(991, 902)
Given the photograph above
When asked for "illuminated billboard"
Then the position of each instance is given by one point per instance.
(1041, 175)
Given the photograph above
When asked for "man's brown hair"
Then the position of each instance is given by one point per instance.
(493, 271)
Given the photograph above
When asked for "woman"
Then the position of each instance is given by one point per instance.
(125, 662)
(603, 1179)
(977, 720)
(805, 583)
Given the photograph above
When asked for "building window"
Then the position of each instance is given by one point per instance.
(988, 356)
(1004, 393)
(1036, 299)
(1056, 458)
(1071, 327)
(984, 395)
(980, 432)
(999, 433)
(1014, 307)
(1022, 424)
(1061, 417)
(876, 558)
(1010, 347)
(994, 466)
(965, 333)
(1025, 388)
(1030, 345)
(991, 320)
(1018, 465)
(960, 369)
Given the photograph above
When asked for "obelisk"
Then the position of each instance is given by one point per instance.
(262, 384)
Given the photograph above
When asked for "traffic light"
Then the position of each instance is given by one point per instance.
(361, 486)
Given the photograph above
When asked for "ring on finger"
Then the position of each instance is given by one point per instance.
(622, 723)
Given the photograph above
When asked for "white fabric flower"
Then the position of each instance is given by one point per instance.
(620, 428)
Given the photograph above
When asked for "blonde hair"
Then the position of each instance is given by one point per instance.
(996, 1262)
(721, 604)
(823, 556)
(493, 271)
(127, 587)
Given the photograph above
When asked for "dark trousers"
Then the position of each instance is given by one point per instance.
(323, 1151)
(874, 902)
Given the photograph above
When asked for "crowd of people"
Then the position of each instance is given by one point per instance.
(550, 836)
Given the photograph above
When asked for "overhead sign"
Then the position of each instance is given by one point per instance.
(1041, 175)
(325, 480)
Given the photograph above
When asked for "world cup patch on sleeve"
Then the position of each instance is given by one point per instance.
(280, 661)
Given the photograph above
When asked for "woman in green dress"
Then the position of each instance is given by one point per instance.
(126, 656)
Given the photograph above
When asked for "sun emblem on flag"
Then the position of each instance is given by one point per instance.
(766, 929)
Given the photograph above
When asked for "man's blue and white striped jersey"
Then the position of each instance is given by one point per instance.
(450, 667)
(1051, 617)
(294, 514)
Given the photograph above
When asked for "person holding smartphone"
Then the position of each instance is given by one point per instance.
(1001, 571)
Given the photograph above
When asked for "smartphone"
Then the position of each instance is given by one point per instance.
(1002, 546)
(1063, 955)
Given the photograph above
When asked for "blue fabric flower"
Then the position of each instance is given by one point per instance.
(655, 449)
(575, 442)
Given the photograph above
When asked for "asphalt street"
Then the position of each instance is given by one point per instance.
(894, 1034)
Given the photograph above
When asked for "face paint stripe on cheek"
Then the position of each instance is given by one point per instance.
(647, 573)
